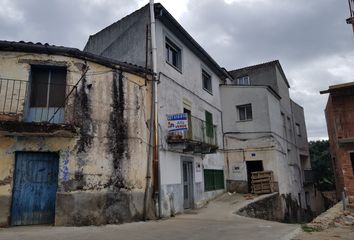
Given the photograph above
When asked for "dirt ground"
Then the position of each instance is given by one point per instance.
(333, 224)
(333, 233)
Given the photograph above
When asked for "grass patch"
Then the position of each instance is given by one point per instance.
(310, 229)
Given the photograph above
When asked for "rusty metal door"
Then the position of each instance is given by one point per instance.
(35, 187)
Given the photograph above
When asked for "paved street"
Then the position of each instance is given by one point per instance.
(215, 221)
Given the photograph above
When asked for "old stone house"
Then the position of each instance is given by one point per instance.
(340, 125)
(264, 130)
(191, 167)
(73, 136)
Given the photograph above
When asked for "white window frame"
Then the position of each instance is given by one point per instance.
(244, 106)
(205, 72)
(243, 81)
(169, 44)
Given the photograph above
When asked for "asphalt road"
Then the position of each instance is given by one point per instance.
(216, 221)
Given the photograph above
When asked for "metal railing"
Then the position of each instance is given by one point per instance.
(350, 20)
(199, 131)
(18, 103)
(351, 7)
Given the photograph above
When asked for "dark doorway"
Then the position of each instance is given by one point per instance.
(189, 132)
(253, 166)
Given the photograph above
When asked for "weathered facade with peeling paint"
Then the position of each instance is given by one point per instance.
(264, 130)
(191, 165)
(91, 114)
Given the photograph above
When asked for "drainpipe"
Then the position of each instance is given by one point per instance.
(147, 194)
(156, 167)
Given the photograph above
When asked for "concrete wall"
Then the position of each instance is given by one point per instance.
(233, 96)
(124, 40)
(104, 161)
(258, 75)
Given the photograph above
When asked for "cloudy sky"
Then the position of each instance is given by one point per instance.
(310, 37)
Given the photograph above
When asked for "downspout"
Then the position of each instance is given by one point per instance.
(147, 194)
(156, 165)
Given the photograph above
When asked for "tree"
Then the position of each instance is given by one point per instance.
(322, 165)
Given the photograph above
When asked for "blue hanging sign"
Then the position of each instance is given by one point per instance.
(177, 122)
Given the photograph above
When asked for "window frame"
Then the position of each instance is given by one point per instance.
(298, 129)
(247, 118)
(169, 44)
(244, 83)
(50, 87)
(210, 79)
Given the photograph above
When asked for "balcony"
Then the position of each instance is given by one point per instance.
(38, 107)
(309, 177)
(201, 137)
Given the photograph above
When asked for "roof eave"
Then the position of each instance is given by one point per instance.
(169, 21)
(70, 52)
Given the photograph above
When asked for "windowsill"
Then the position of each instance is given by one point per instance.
(211, 93)
(248, 120)
(176, 68)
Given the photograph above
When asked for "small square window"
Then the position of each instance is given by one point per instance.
(207, 84)
(245, 80)
(173, 54)
(244, 112)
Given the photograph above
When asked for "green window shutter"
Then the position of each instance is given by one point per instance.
(213, 179)
(208, 180)
(209, 124)
(219, 179)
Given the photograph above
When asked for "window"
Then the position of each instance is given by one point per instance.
(209, 124)
(245, 112)
(283, 122)
(213, 179)
(48, 86)
(173, 54)
(245, 80)
(290, 127)
(207, 81)
(297, 129)
(352, 160)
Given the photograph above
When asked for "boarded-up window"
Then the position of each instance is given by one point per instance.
(48, 86)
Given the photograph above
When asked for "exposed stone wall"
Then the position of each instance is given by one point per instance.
(275, 207)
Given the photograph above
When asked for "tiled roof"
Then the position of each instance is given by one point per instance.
(67, 51)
